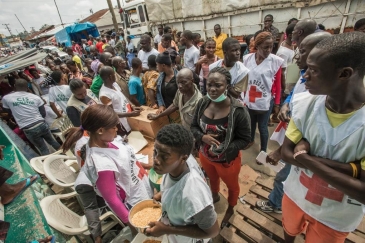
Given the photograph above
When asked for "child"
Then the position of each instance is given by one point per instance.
(135, 84)
(187, 204)
(59, 94)
(202, 67)
(149, 81)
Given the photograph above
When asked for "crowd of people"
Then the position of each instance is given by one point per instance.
(214, 98)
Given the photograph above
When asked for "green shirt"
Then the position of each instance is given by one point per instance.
(96, 85)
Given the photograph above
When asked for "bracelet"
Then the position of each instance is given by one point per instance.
(300, 152)
(354, 170)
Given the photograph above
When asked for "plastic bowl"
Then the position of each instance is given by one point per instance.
(138, 207)
(154, 177)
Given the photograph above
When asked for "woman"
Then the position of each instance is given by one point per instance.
(80, 99)
(110, 165)
(221, 126)
(75, 73)
(166, 84)
(264, 85)
(90, 72)
(202, 66)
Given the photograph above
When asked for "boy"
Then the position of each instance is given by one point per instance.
(325, 143)
(135, 84)
(149, 81)
(59, 94)
(187, 204)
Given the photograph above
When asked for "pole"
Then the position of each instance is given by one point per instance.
(119, 6)
(20, 23)
(111, 9)
(63, 26)
(7, 26)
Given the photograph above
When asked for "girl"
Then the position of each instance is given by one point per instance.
(264, 85)
(221, 126)
(76, 73)
(110, 165)
(202, 66)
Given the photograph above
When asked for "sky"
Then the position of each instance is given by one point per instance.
(35, 13)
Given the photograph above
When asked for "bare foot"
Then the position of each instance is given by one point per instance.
(227, 216)
(216, 197)
(11, 191)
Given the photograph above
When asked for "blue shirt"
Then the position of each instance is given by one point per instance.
(136, 88)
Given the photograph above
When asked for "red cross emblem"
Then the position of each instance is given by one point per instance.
(253, 94)
(281, 125)
(318, 189)
(142, 172)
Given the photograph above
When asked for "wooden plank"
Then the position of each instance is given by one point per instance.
(230, 236)
(361, 226)
(246, 179)
(355, 238)
(251, 199)
(249, 230)
(259, 191)
(265, 223)
(268, 183)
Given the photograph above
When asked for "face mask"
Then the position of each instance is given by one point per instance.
(221, 98)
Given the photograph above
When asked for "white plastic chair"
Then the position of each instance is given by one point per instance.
(37, 162)
(61, 170)
(68, 222)
(63, 124)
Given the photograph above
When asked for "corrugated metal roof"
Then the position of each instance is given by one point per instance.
(95, 17)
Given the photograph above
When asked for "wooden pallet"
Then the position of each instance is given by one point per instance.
(251, 225)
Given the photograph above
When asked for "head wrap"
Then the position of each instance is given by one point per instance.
(95, 65)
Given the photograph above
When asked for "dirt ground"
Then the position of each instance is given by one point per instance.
(248, 158)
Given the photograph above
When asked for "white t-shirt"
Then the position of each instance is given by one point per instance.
(44, 87)
(191, 57)
(24, 107)
(60, 96)
(112, 42)
(157, 39)
(143, 56)
(286, 54)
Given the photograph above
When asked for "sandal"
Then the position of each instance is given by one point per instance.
(225, 224)
(28, 183)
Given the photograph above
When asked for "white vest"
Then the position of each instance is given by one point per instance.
(119, 102)
(129, 175)
(260, 81)
(343, 143)
(187, 197)
(238, 71)
(298, 88)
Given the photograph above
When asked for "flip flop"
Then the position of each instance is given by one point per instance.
(28, 183)
(225, 224)
(52, 240)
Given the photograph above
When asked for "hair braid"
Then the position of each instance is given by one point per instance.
(222, 71)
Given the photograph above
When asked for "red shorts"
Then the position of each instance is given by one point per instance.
(295, 221)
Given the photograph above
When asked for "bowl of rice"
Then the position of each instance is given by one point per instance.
(143, 213)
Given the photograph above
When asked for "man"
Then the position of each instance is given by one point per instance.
(105, 59)
(120, 47)
(232, 52)
(76, 48)
(276, 195)
(324, 141)
(185, 100)
(302, 29)
(191, 54)
(121, 75)
(167, 31)
(99, 45)
(28, 112)
(40, 86)
(110, 49)
(268, 20)
(166, 43)
(110, 94)
(130, 51)
(157, 38)
(360, 25)
(75, 58)
(110, 41)
(146, 51)
(187, 204)
(219, 38)
(94, 53)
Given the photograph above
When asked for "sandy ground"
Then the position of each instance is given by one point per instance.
(249, 158)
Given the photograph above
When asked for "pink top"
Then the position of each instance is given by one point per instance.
(205, 67)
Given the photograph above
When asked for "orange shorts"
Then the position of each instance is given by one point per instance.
(295, 221)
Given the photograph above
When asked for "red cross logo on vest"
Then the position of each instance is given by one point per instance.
(142, 172)
(318, 189)
(253, 94)
(281, 125)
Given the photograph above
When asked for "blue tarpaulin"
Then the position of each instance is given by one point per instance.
(76, 32)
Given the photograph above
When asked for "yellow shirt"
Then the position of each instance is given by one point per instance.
(293, 133)
(219, 41)
(77, 59)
